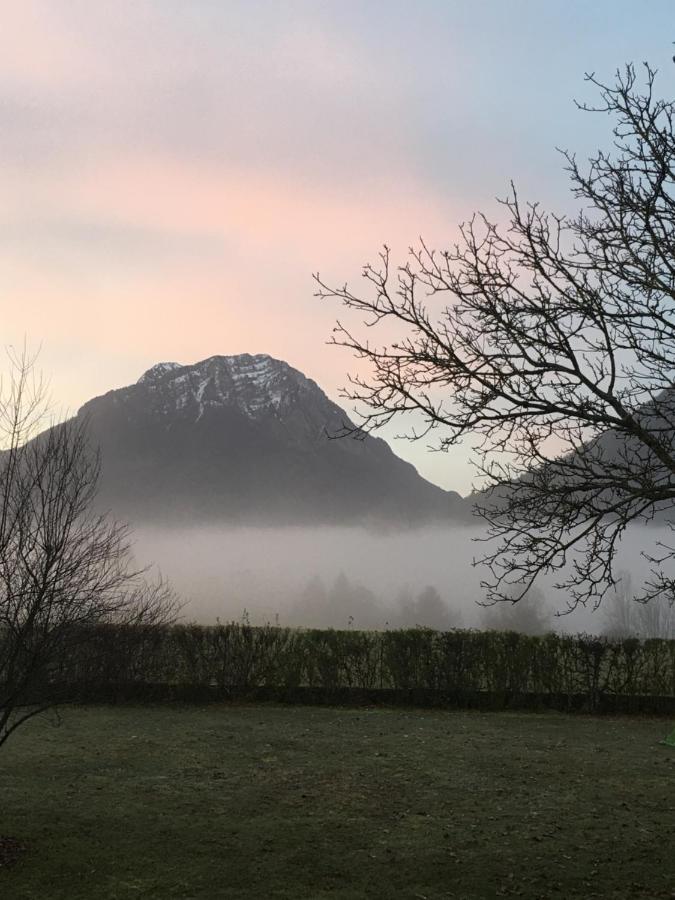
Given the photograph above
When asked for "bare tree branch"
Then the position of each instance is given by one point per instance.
(551, 340)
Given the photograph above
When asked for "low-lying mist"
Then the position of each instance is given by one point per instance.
(352, 577)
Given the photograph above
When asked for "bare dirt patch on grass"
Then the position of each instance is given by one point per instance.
(10, 850)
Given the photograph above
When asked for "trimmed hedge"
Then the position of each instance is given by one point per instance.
(459, 668)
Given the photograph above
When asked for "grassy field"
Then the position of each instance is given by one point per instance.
(306, 802)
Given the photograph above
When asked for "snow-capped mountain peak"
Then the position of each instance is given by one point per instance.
(255, 384)
(158, 371)
(246, 439)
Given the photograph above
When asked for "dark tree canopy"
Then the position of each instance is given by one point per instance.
(552, 340)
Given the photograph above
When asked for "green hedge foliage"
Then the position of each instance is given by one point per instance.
(461, 666)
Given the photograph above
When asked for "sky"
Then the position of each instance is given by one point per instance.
(173, 172)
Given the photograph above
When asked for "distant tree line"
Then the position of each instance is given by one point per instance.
(348, 604)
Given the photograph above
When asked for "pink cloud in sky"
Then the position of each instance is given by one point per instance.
(38, 52)
(274, 233)
(171, 173)
(251, 292)
(118, 234)
(250, 206)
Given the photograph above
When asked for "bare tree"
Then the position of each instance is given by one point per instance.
(627, 617)
(427, 610)
(63, 568)
(529, 615)
(551, 340)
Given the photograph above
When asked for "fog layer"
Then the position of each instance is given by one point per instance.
(347, 577)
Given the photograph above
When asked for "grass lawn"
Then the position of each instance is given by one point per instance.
(307, 802)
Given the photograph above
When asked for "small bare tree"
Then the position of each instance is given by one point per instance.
(551, 340)
(63, 568)
(627, 617)
(529, 615)
(426, 610)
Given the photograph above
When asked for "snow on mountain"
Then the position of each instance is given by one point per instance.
(254, 384)
(156, 372)
(247, 438)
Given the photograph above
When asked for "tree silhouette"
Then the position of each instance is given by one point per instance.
(551, 340)
(63, 568)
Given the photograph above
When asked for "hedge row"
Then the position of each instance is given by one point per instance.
(239, 659)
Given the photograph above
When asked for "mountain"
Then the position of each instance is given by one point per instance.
(247, 439)
(613, 472)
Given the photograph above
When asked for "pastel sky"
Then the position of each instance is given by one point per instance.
(172, 172)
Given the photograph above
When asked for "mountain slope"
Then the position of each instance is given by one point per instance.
(246, 439)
